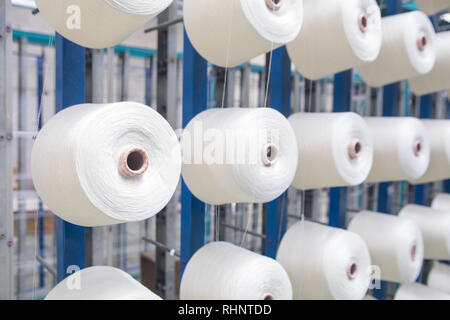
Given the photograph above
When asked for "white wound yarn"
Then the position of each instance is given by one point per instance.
(437, 79)
(239, 155)
(336, 36)
(100, 283)
(441, 202)
(223, 271)
(418, 291)
(80, 170)
(433, 6)
(335, 149)
(231, 32)
(325, 263)
(99, 23)
(439, 277)
(395, 244)
(439, 168)
(435, 227)
(408, 50)
(401, 148)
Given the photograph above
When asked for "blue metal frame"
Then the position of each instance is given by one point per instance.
(70, 90)
(342, 99)
(194, 101)
(280, 99)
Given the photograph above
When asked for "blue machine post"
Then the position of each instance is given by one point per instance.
(391, 101)
(70, 85)
(342, 97)
(40, 88)
(280, 99)
(148, 85)
(421, 192)
(194, 101)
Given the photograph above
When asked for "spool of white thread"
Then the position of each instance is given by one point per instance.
(439, 168)
(238, 155)
(418, 291)
(100, 283)
(437, 79)
(99, 23)
(101, 164)
(336, 36)
(325, 263)
(408, 50)
(441, 202)
(223, 271)
(435, 227)
(401, 149)
(231, 32)
(439, 277)
(335, 149)
(433, 6)
(395, 244)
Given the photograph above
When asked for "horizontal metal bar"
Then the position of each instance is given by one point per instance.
(258, 235)
(164, 25)
(160, 245)
(46, 265)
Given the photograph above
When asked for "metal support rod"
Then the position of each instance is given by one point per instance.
(41, 214)
(342, 99)
(249, 232)
(70, 85)
(164, 25)
(171, 251)
(167, 96)
(280, 99)
(22, 168)
(6, 156)
(194, 101)
(95, 75)
(44, 264)
(391, 103)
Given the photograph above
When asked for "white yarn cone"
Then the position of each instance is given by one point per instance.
(335, 149)
(336, 36)
(99, 23)
(236, 155)
(437, 79)
(395, 244)
(435, 227)
(223, 271)
(401, 149)
(408, 50)
(101, 164)
(324, 262)
(418, 291)
(441, 202)
(100, 283)
(229, 33)
(439, 168)
(439, 277)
